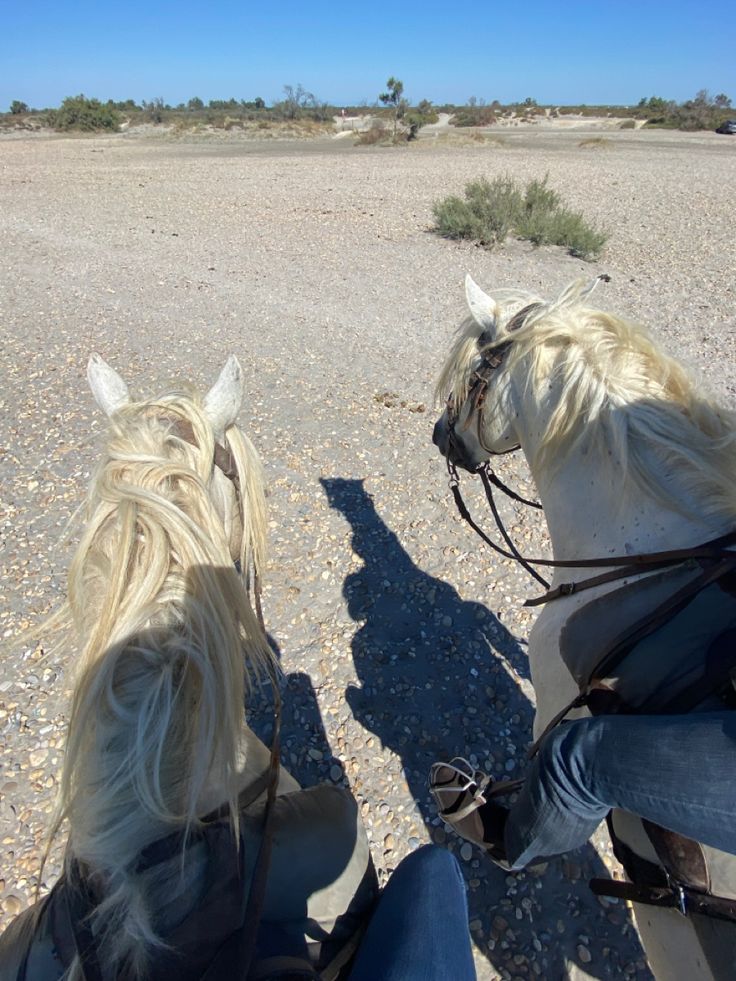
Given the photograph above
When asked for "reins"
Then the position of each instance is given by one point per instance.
(489, 478)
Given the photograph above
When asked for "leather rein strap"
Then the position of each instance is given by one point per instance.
(620, 566)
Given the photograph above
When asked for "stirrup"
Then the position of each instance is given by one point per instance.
(465, 779)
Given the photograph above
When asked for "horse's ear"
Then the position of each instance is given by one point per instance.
(109, 389)
(483, 309)
(222, 402)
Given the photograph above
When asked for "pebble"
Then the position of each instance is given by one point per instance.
(12, 904)
(584, 954)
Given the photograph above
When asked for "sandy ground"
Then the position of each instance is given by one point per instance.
(314, 262)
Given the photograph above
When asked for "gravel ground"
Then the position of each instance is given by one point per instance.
(401, 641)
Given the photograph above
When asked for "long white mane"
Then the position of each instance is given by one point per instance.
(168, 636)
(616, 387)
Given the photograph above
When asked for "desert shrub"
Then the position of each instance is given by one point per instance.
(474, 116)
(414, 119)
(456, 219)
(488, 213)
(80, 113)
(546, 221)
(628, 124)
(570, 230)
(491, 211)
(154, 111)
(300, 104)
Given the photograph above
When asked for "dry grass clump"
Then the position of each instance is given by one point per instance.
(596, 142)
(376, 135)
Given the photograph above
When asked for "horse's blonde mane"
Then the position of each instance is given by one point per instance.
(615, 386)
(167, 637)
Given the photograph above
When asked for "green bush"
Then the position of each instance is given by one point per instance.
(79, 113)
(493, 210)
(489, 212)
(474, 116)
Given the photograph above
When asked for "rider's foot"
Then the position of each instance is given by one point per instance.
(459, 791)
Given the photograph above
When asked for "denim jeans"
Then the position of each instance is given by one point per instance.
(419, 931)
(678, 771)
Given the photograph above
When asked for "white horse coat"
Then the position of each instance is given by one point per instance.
(628, 456)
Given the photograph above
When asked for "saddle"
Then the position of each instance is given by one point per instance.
(648, 664)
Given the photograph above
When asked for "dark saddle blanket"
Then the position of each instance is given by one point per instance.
(698, 643)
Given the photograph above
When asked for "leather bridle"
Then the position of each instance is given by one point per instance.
(222, 459)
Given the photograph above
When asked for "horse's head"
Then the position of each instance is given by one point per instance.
(479, 416)
(194, 433)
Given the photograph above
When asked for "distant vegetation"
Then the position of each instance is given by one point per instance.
(88, 115)
(490, 212)
(702, 112)
(405, 121)
(395, 119)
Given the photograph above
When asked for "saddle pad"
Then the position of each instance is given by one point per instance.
(321, 890)
(666, 662)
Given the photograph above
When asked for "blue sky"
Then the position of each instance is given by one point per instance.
(563, 53)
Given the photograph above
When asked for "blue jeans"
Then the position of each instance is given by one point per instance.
(419, 931)
(678, 771)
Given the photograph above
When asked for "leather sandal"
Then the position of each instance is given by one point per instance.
(459, 792)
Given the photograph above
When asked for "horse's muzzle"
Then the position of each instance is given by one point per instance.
(451, 446)
(439, 436)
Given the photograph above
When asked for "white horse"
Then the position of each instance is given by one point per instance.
(629, 456)
(158, 749)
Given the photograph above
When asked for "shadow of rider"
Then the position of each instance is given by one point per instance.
(441, 676)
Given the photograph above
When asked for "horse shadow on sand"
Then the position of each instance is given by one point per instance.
(440, 677)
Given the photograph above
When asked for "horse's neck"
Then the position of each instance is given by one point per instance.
(592, 510)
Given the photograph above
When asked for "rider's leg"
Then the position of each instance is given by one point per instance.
(419, 931)
(678, 771)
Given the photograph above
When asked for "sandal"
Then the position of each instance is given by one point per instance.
(459, 789)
